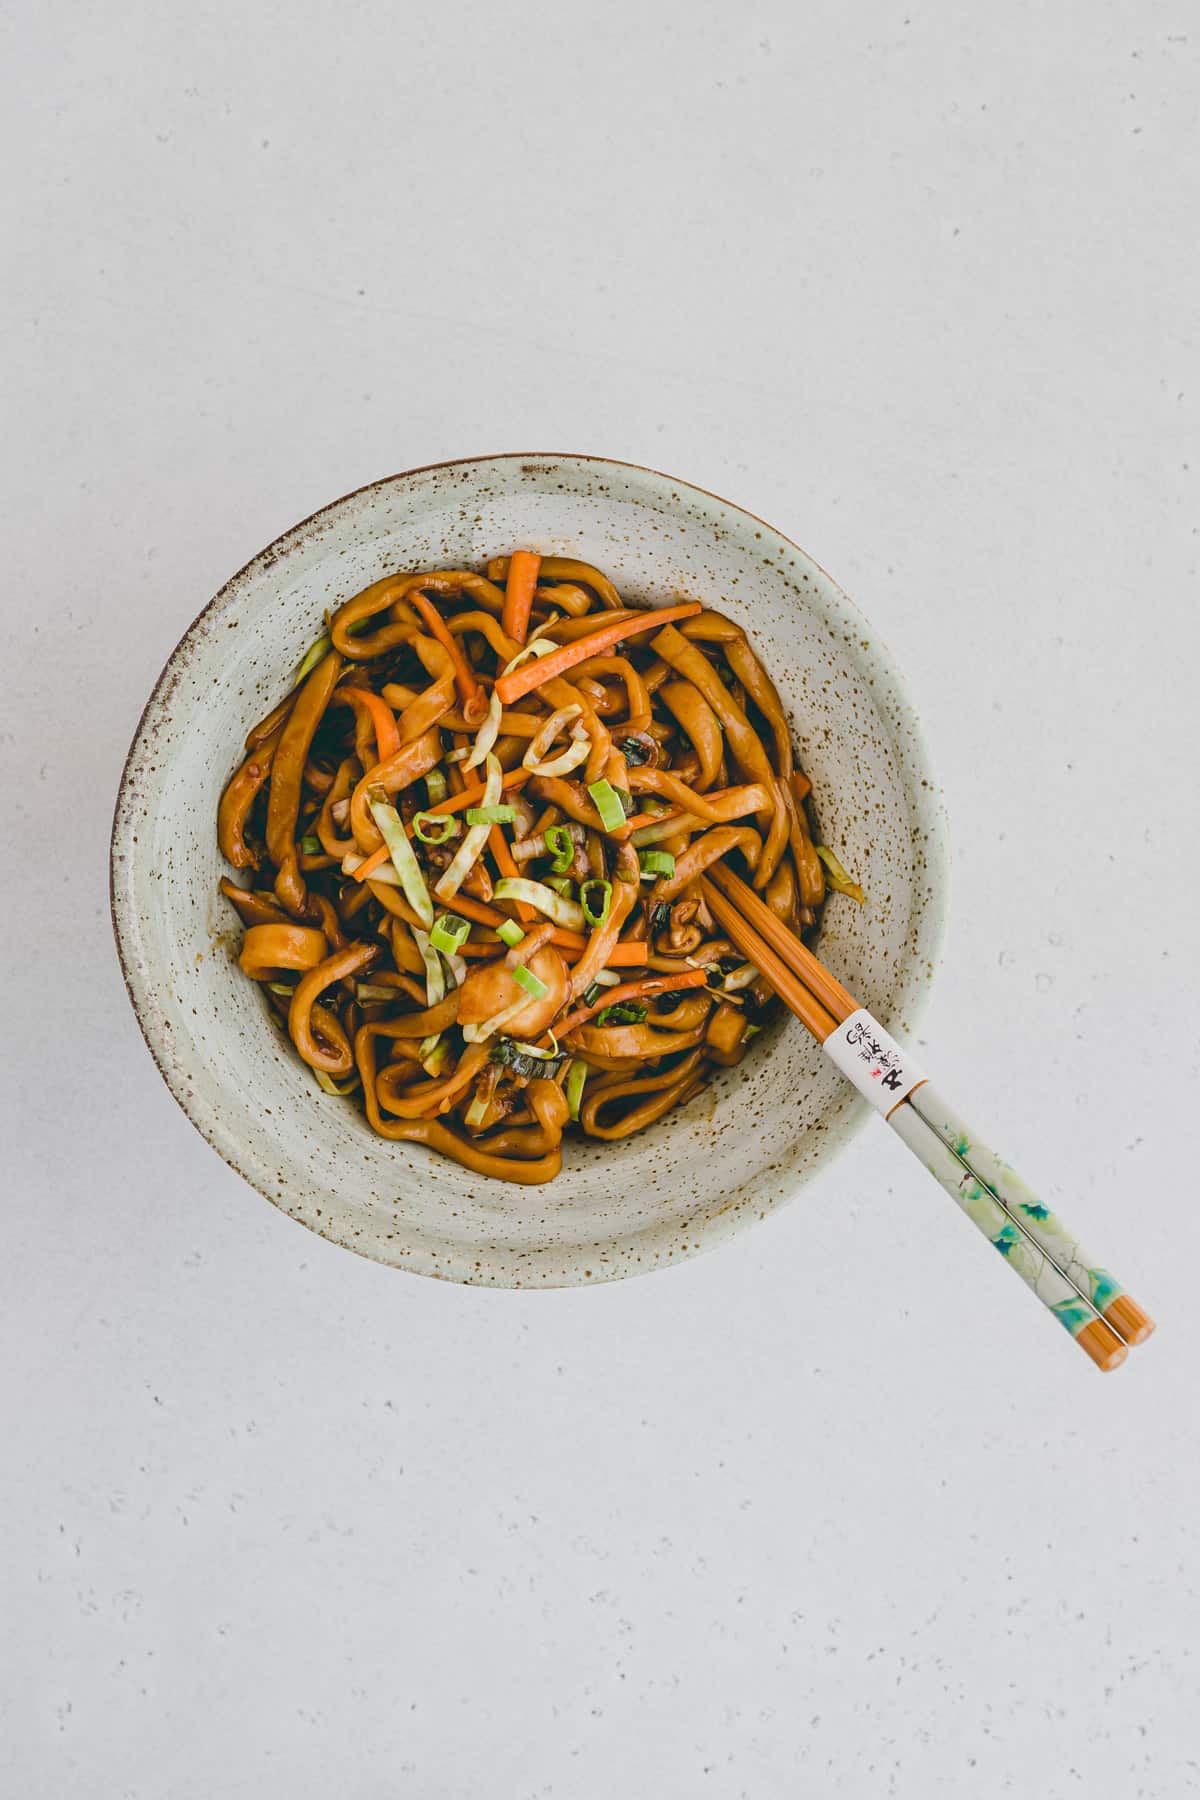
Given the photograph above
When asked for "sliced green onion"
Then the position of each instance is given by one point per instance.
(656, 862)
(562, 846)
(591, 993)
(533, 984)
(608, 804)
(435, 786)
(434, 828)
(449, 934)
(435, 976)
(471, 848)
(562, 884)
(742, 977)
(567, 913)
(491, 815)
(595, 910)
(312, 656)
(329, 1086)
(311, 845)
(282, 987)
(838, 878)
(577, 1074)
(751, 1031)
(510, 933)
(404, 858)
(625, 1012)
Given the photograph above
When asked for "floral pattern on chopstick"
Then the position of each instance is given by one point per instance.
(1017, 1198)
(1031, 1263)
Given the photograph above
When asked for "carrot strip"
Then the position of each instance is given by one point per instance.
(623, 956)
(475, 910)
(469, 690)
(631, 990)
(470, 795)
(518, 593)
(640, 819)
(531, 675)
(387, 735)
(632, 954)
(375, 861)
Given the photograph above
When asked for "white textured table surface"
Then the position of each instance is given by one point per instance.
(834, 1511)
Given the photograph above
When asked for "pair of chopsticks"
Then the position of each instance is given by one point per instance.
(1084, 1297)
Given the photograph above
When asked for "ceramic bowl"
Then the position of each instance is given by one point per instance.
(764, 1130)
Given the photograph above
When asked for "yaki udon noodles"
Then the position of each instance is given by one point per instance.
(475, 828)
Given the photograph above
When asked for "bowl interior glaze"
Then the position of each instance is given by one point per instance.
(737, 1151)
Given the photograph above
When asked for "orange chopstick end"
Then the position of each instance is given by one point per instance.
(1128, 1319)
(1102, 1345)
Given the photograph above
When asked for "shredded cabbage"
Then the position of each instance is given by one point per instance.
(404, 857)
(577, 751)
(535, 647)
(838, 878)
(654, 834)
(475, 1034)
(330, 1086)
(312, 656)
(567, 913)
(577, 1074)
(435, 980)
(471, 848)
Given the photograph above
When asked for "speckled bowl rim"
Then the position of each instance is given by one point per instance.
(836, 610)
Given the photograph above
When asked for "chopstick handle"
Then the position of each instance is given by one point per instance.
(1038, 1245)
(1020, 1252)
(1046, 1229)
(891, 1079)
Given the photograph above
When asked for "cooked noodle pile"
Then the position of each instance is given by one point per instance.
(476, 826)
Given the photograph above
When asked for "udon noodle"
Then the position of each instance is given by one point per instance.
(474, 830)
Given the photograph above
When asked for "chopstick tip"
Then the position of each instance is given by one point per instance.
(1128, 1319)
(1103, 1345)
